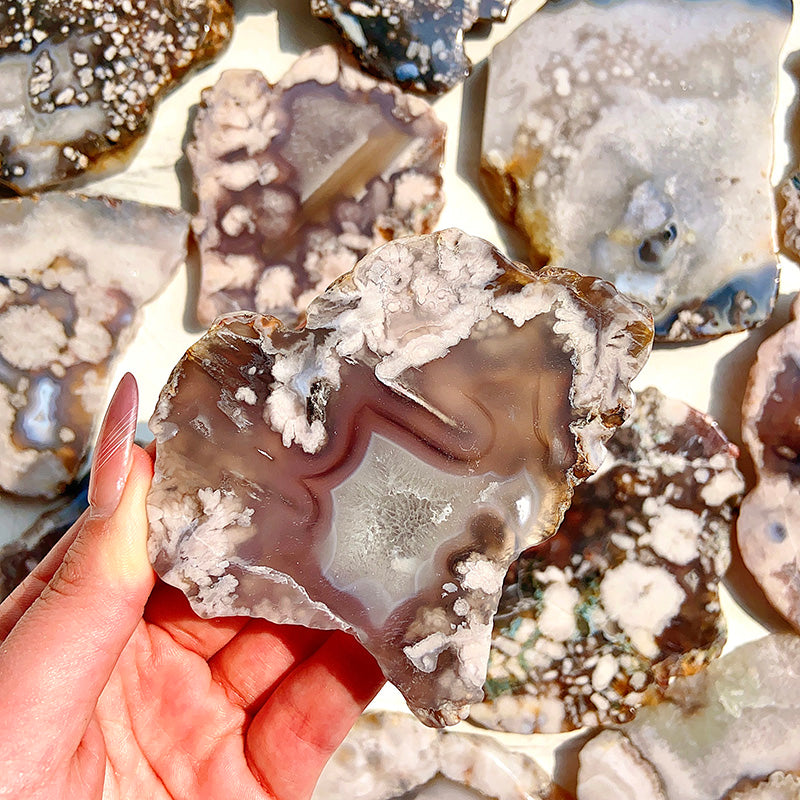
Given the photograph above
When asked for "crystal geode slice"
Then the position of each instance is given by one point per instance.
(417, 45)
(624, 597)
(389, 755)
(379, 470)
(75, 273)
(608, 142)
(728, 733)
(768, 529)
(297, 181)
(81, 78)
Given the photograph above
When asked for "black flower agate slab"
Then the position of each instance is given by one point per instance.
(81, 79)
(417, 45)
(378, 470)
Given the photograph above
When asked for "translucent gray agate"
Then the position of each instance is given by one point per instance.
(378, 470)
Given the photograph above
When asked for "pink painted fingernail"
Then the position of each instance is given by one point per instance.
(112, 454)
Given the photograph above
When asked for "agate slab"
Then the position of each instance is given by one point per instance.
(378, 470)
(19, 557)
(75, 273)
(728, 732)
(297, 181)
(624, 598)
(81, 78)
(768, 529)
(609, 142)
(390, 756)
(417, 45)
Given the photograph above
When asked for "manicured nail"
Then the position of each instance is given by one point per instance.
(112, 454)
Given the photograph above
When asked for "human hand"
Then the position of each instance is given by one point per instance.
(111, 687)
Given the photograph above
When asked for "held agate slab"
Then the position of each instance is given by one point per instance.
(633, 140)
(768, 529)
(625, 597)
(379, 470)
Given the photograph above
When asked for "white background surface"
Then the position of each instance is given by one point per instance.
(269, 35)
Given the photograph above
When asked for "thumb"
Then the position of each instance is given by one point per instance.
(57, 659)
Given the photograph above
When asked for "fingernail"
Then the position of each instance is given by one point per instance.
(112, 454)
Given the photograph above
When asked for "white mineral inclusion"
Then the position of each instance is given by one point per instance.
(614, 123)
(737, 721)
(394, 497)
(642, 600)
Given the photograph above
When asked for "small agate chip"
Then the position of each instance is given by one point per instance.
(20, 556)
(417, 45)
(390, 755)
(379, 470)
(768, 529)
(75, 272)
(297, 181)
(624, 597)
(80, 79)
(727, 733)
(633, 140)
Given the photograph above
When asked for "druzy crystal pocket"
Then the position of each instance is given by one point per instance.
(633, 140)
(378, 470)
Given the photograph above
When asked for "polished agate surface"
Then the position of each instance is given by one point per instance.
(390, 756)
(633, 140)
(297, 181)
(625, 597)
(728, 733)
(378, 470)
(75, 273)
(80, 79)
(768, 529)
(417, 45)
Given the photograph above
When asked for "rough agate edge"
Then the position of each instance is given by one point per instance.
(790, 215)
(390, 755)
(75, 273)
(379, 470)
(625, 597)
(81, 79)
(298, 181)
(607, 142)
(417, 45)
(19, 557)
(768, 529)
(728, 732)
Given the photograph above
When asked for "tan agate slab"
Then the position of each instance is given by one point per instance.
(379, 470)
(768, 529)
(391, 756)
(728, 733)
(298, 181)
(633, 140)
(600, 618)
(75, 273)
(81, 79)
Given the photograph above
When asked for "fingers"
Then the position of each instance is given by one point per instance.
(305, 719)
(57, 658)
(260, 657)
(169, 609)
